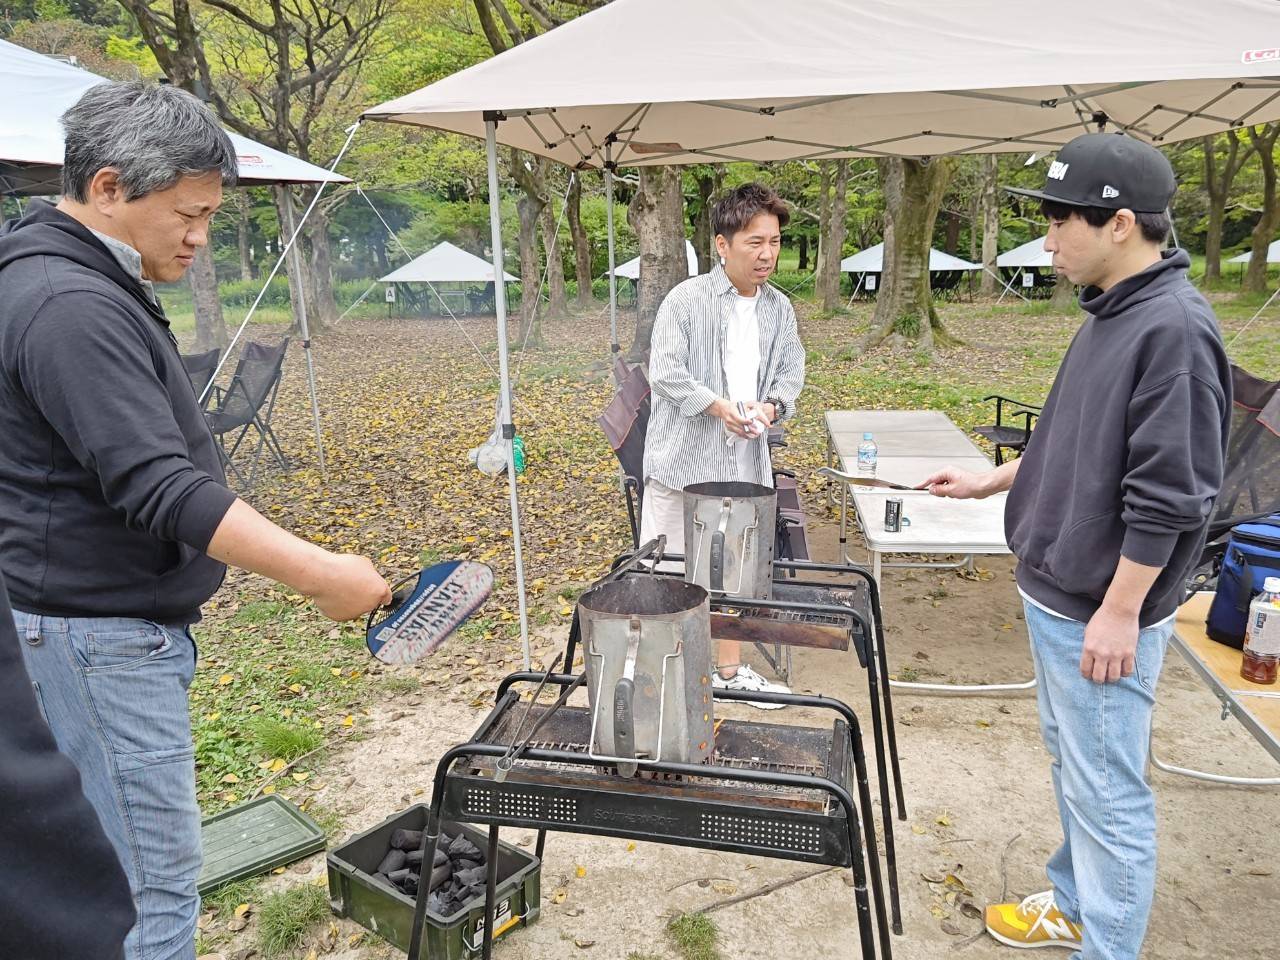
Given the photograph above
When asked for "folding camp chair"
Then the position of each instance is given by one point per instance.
(1251, 479)
(624, 422)
(201, 368)
(1005, 434)
(247, 404)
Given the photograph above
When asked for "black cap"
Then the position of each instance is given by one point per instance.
(1109, 170)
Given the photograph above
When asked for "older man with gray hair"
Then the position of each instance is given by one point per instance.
(116, 523)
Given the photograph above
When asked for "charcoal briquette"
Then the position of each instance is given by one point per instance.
(393, 861)
(383, 879)
(406, 839)
(440, 874)
(464, 849)
(466, 864)
(397, 876)
(471, 877)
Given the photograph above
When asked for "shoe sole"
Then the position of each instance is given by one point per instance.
(1072, 944)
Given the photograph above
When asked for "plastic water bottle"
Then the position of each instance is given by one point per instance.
(1262, 635)
(867, 454)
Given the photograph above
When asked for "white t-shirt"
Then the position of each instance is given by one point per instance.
(742, 361)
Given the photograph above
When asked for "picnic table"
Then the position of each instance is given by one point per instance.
(1255, 705)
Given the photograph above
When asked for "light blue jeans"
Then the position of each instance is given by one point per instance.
(1098, 734)
(114, 692)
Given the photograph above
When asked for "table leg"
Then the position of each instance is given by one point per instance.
(875, 566)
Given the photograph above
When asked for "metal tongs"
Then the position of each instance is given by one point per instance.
(508, 760)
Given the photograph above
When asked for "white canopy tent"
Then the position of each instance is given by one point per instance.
(445, 263)
(631, 269)
(1273, 254)
(39, 89)
(846, 78)
(871, 260)
(1029, 255)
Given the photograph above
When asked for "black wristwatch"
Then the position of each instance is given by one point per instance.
(779, 408)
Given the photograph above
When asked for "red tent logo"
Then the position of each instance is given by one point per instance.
(248, 159)
(1260, 56)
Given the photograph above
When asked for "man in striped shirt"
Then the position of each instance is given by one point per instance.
(722, 339)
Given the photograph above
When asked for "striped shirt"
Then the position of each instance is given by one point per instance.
(686, 370)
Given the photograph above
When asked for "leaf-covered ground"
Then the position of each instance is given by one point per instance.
(404, 400)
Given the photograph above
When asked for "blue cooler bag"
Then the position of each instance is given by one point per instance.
(1253, 554)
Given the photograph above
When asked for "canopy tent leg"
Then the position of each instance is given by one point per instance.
(504, 372)
(306, 340)
(608, 216)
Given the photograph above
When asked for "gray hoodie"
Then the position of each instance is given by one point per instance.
(1128, 454)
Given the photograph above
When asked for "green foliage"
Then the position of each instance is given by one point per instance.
(286, 917)
(695, 937)
(283, 740)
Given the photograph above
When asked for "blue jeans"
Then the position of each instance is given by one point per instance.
(114, 692)
(1098, 735)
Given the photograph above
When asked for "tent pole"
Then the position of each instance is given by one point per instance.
(306, 336)
(504, 374)
(608, 216)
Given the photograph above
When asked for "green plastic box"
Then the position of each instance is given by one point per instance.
(253, 838)
(354, 894)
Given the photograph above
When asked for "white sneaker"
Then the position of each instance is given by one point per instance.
(748, 679)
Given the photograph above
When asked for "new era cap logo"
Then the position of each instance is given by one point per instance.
(1109, 192)
(1058, 170)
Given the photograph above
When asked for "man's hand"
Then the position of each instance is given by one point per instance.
(349, 587)
(956, 483)
(1110, 643)
(762, 411)
(963, 485)
(748, 427)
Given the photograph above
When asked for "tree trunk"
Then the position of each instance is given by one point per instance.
(244, 235)
(211, 329)
(833, 241)
(1264, 231)
(802, 251)
(529, 209)
(558, 305)
(286, 217)
(704, 241)
(990, 225)
(656, 215)
(951, 240)
(1064, 294)
(1217, 185)
(581, 245)
(322, 309)
(913, 192)
(824, 218)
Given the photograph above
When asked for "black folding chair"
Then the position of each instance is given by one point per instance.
(201, 368)
(1005, 433)
(1251, 480)
(247, 404)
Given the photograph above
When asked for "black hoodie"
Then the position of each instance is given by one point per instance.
(1127, 456)
(110, 482)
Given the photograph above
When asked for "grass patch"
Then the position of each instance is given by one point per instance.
(401, 683)
(695, 937)
(263, 611)
(230, 895)
(285, 917)
(279, 739)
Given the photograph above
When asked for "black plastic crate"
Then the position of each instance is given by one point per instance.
(354, 894)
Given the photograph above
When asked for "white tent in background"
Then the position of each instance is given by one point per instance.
(1273, 254)
(1029, 255)
(445, 263)
(871, 260)
(830, 79)
(38, 90)
(631, 269)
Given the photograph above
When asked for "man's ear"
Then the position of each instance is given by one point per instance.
(106, 192)
(1123, 224)
(722, 246)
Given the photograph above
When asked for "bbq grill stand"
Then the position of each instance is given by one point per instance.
(741, 809)
(817, 605)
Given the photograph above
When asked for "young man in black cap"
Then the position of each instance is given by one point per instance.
(1106, 514)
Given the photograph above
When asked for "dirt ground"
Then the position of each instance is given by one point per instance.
(979, 805)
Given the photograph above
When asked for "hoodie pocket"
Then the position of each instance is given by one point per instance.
(1083, 560)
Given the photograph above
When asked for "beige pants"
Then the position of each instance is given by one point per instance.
(663, 514)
